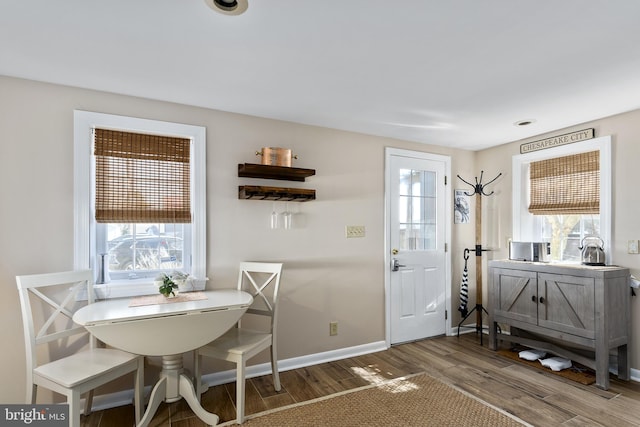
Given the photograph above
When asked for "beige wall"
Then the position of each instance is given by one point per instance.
(625, 131)
(327, 277)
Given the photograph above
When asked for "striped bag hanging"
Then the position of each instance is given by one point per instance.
(464, 287)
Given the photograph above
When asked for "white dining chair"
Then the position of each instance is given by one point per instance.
(240, 344)
(48, 302)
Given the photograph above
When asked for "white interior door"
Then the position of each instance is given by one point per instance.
(417, 235)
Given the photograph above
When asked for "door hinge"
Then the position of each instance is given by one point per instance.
(446, 313)
(445, 180)
(446, 247)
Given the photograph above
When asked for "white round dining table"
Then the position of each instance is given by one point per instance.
(168, 329)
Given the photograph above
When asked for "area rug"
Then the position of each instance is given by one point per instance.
(418, 400)
(577, 373)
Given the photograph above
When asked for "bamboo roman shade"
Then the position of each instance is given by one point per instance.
(141, 178)
(566, 185)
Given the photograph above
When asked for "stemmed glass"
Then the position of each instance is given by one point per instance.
(286, 215)
(282, 219)
(274, 217)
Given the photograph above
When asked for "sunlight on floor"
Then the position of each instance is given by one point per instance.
(397, 385)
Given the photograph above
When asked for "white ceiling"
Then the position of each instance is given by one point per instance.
(457, 73)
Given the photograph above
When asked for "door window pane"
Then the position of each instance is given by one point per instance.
(429, 183)
(405, 182)
(404, 209)
(417, 209)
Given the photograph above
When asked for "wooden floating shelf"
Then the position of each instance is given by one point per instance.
(253, 170)
(275, 193)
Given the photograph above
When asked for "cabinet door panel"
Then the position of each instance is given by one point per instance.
(515, 294)
(568, 304)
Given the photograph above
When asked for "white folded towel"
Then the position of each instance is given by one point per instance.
(556, 363)
(531, 354)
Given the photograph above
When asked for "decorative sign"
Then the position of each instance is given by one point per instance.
(556, 141)
(461, 207)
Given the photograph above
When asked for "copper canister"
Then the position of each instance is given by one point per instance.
(276, 156)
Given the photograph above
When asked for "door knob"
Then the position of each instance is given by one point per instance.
(395, 264)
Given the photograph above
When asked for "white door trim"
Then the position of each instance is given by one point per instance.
(389, 151)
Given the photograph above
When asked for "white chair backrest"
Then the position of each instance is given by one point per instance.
(54, 301)
(262, 281)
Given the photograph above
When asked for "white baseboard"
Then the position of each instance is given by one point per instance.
(295, 363)
(465, 329)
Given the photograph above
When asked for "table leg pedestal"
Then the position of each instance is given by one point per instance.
(189, 394)
(172, 368)
(172, 386)
(157, 397)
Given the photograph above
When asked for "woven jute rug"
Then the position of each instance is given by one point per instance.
(418, 400)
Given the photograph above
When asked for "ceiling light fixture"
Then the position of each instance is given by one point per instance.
(525, 122)
(228, 7)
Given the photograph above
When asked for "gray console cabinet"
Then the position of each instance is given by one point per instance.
(578, 312)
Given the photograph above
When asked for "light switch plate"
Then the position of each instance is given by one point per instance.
(354, 231)
(632, 246)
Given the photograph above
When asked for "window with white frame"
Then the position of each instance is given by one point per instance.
(542, 212)
(139, 201)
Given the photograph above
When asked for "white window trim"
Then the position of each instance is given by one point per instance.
(521, 186)
(84, 203)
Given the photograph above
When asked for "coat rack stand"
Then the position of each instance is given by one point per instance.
(478, 191)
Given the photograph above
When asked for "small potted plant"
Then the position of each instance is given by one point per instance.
(168, 284)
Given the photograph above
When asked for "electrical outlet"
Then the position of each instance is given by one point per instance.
(354, 231)
(333, 328)
(632, 246)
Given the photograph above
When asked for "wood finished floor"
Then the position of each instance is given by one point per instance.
(537, 397)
